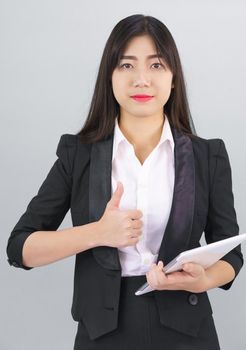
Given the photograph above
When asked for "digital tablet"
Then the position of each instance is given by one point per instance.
(206, 256)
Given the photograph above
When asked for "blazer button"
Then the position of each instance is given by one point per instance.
(193, 299)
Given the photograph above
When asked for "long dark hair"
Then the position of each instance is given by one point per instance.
(104, 108)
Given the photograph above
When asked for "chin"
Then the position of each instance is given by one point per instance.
(145, 112)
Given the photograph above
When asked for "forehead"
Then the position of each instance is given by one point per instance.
(143, 44)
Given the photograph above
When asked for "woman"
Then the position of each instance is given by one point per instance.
(141, 187)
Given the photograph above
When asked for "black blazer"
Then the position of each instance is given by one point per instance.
(80, 180)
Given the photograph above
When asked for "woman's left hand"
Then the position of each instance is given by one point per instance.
(193, 278)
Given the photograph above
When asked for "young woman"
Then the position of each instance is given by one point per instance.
(141, 187)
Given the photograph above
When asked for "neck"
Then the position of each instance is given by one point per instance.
(142, 131)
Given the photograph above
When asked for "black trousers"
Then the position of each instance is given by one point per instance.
(139, 327)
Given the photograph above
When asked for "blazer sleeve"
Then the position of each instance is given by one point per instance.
(48, 207)
(222, 220)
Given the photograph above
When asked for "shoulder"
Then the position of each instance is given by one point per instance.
(70, 142)
(212, 147)
(69, 148)
(212, 152)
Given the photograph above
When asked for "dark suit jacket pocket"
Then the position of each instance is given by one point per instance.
(183, 311)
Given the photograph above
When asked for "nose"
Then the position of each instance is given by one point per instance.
(141, 79)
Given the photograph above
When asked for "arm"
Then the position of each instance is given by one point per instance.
(45, 247)
(192, 278)
(221, 224)
(218, 275)
(35, 240)
(46, 210)
(222, 220)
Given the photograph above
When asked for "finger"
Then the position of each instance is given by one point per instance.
(134, 214)
(157, 275)
(131, 224)
(136, 224)
(134, 232)
(158, 268)
(152, 278)
(151, 267)
(160, 273)
(116, 196)
(160, 265)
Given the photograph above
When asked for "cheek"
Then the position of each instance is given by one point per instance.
(165, 91)
(165, 83)
(119, 87)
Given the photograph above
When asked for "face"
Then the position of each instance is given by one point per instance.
(141, 74)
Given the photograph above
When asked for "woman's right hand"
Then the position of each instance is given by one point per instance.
(120, 228)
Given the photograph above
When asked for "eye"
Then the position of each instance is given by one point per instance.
(159, 65)
(125, 65)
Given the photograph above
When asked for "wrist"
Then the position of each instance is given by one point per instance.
(89, 234)
(207, 281)
(97, 234)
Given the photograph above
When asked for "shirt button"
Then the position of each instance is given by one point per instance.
(146, 261)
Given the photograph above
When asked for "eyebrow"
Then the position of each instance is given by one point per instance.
(135, 58)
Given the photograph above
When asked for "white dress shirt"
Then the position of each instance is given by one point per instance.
(147, 187)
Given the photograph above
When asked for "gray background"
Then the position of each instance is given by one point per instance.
(50, 53)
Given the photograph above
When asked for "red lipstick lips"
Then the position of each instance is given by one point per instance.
(142, 98)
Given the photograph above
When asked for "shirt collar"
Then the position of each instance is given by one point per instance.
(119, 137)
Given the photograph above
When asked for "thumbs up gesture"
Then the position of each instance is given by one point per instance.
(120, 228)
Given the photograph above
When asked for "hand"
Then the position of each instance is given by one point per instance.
(119, 228)
(193, 278)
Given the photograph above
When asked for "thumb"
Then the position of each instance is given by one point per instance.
(193, 269)
(116, 196)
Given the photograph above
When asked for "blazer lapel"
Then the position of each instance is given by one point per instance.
(179, 225)
(99, 195)
(178, 229)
